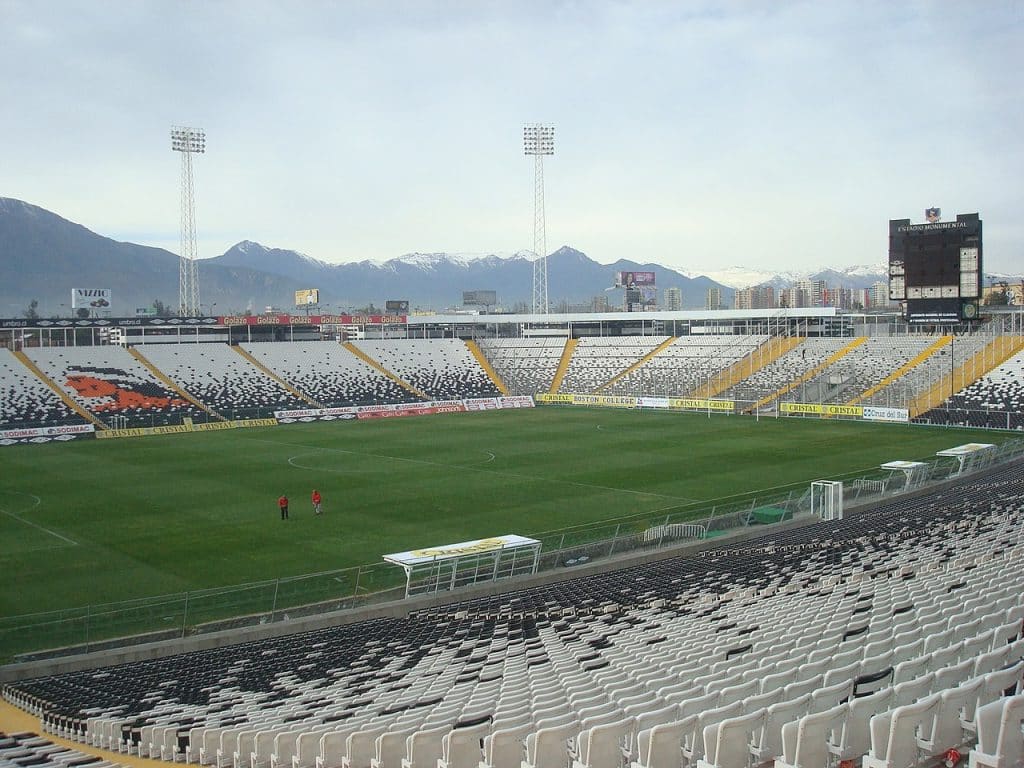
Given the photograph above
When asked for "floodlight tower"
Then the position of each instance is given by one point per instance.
(539, 140)
(188, 141)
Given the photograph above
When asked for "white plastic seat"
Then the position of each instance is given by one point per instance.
(912, 690)
(894, 734)
(951, 677)
(606, 745)
(661, 746)
(1002, 682)
(693, 742)
(727, 743)
(808, 742)
(1000, 738)
(361, 747)
(460, 747)
(855, 739)
(547, 747)
(424, 747)
(991, 661)
(831, 696)
(767, 744)
(957, 706)
(911, 669)
(504, 747)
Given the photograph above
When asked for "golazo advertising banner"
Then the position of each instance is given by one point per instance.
(393, 410)
(45, 434)
(873, 413)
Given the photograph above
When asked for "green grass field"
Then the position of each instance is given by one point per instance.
(97, 521)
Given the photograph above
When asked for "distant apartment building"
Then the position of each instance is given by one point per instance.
(816, 292)
(713, 299)
(794, 298)
(755, 297)
(673, 299)
(877, 296)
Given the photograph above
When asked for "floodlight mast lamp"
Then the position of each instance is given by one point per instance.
(539, 140)
(188, 141)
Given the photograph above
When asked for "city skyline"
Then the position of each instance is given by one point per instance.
(701, 136)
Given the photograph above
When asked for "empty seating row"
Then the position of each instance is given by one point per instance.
(221, 379)
(995, 400)
(921, 592)
(442, 369)
(114, 386)
(25, 401)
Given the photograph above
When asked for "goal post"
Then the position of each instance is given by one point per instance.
(827, 499)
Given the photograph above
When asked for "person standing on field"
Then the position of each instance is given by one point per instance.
(283, 504)
(316, 501)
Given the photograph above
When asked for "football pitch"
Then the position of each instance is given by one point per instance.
(108, 520)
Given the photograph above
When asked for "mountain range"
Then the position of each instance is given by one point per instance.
(43, 256)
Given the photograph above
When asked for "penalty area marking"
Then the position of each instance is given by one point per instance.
(36, 502)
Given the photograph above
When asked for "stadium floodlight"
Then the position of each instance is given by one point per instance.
(538, 141)
(188, 141)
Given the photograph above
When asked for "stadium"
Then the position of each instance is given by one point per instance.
(724, 538)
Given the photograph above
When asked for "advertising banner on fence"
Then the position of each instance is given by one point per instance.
(874, 413)
(514, 401)
(391, 410)
(822, 409)
(608, 401)
(652, 402)
(613, 401)
(546, 398)
(691, 404)
(482, 404)
(45, 434)
(188, 427)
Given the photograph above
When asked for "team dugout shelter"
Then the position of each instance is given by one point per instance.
(446, 567)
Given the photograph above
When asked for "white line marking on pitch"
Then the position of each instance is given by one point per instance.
(38, 501)
(471, 468)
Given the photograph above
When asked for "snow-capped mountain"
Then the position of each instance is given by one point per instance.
(43, 255)
(860, 276)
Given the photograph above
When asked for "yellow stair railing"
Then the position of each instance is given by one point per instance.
(475, 351)
(903, 370)
(623, 374)
(171, 385)
(68, 401)
(808, 375)
(378, 367)
(563, 364)
(746, 366)
(993, 354)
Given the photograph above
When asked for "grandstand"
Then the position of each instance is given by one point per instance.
(27, 400)
(730, 656)
(222, 380)
(886, 638)
(328, 373)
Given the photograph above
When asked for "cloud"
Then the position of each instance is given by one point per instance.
(782, 135)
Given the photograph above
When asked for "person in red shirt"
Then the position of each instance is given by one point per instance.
(283, 504)
(316, 501)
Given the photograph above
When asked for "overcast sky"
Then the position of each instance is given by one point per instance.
(698, 135)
